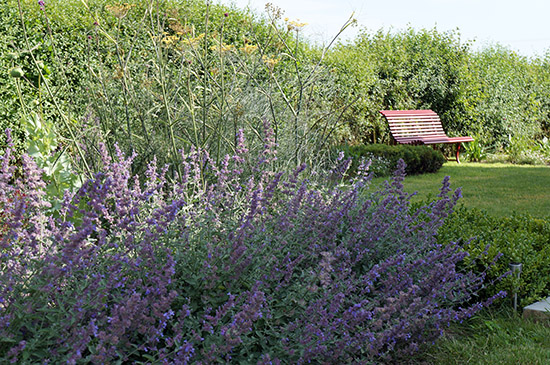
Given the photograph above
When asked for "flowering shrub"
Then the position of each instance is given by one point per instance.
(231, 262)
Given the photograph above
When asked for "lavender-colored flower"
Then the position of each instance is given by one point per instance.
(234, 261)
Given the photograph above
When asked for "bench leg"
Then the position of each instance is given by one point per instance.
(458, 152)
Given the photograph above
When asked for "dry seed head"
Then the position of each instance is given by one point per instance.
(119, 10)
(119, 73)
(274, 11)
(178, 28)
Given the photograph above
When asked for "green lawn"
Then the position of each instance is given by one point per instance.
(500, 189)
(501, 337)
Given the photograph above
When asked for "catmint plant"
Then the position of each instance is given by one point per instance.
(233, 261)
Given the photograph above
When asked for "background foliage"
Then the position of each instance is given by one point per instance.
(162, 75)
(492, 94)
(156, 77)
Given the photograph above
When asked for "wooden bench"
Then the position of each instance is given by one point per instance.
(420, 127)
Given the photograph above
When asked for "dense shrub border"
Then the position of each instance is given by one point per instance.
(404, 69)
(519, 239)
(418, 159)
(230, 262)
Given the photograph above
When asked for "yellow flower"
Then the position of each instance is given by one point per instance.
(270, 62)
(223, 47)
(194, 41)
(295, 25)
(249, 48)
(170, 40)
(227, 47)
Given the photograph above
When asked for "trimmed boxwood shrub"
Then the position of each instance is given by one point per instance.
(419, 159)
(519, 238)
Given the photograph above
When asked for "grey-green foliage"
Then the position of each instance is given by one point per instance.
(42, 144)
(159, 76)
(194, 74)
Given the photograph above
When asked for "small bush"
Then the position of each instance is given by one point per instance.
(523, 151)
(419, 159)
(475, 151)
(520, 238)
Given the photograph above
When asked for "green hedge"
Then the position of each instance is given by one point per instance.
(520, 238)
(493, 92)
(419, 159)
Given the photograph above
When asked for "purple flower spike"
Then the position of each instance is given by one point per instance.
(234, 261)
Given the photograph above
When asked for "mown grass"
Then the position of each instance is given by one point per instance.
(500, 189)
(496, 336)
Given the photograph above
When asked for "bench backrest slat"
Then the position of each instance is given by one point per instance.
(411, 123)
